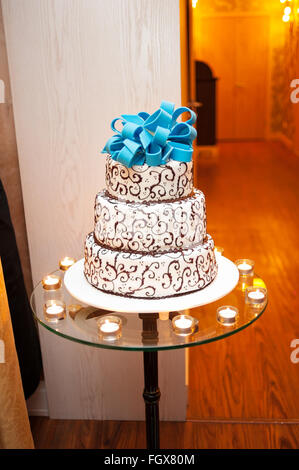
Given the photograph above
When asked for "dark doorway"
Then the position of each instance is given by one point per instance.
(206, 99)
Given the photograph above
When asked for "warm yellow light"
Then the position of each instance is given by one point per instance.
(285, 18)
(194, 2)
(282, 1)
(66, 262)
(287, 11)
(258, 282)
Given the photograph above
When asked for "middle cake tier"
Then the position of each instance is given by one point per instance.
(153, 227)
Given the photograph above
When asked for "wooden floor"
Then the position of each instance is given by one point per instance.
(243, 391)
(66, 434)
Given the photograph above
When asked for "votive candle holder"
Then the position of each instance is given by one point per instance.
(109, 327)
(255, 296)
(227, 315)
(184, 325)
(245, 266)
(54, 311)
(51, 282)
(66, 262)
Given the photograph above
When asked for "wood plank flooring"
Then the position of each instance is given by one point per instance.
(66, 434)
(242, 388)
(252, 209)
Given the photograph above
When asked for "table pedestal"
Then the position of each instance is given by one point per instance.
(151, 393)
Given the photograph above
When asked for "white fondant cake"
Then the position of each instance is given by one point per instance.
(155, 227)
(149, 238)
(145, 276)
(149, 183)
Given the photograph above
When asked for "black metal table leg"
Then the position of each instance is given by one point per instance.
(151, 393)
(151, 397)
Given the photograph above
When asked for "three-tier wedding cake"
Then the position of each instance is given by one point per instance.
(149, 238)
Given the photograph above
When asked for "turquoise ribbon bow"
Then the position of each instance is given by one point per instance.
(152, 139)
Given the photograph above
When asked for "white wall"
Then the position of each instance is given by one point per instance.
(74, 65)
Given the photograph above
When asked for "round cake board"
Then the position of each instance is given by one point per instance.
(79, 288)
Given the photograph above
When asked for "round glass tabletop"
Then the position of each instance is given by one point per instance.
(61, 314)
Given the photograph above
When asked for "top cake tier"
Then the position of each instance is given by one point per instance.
(145, 183)
(150, 155)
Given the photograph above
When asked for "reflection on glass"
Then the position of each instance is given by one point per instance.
(149, 332)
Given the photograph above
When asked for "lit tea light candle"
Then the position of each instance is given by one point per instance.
(51, 282)
(218, 250)
(255, 295)
(109, 327)
(245, 266)
(184, 324)
(66, 262)
(227, 315)
(54, 311)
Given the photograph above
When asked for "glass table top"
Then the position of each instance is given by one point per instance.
(148, 331)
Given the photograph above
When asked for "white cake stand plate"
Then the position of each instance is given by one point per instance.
(77, 285)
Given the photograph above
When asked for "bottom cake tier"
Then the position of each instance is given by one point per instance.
(149, 276)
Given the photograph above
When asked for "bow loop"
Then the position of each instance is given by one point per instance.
(181, 152)
(113, 144)
(160, 136)
(179, 111)
(152, 139)
(112, 125)
(182, 132)
(145, 138)
(167, 106)
(153, 155)
(159, 118)
(131, 131)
